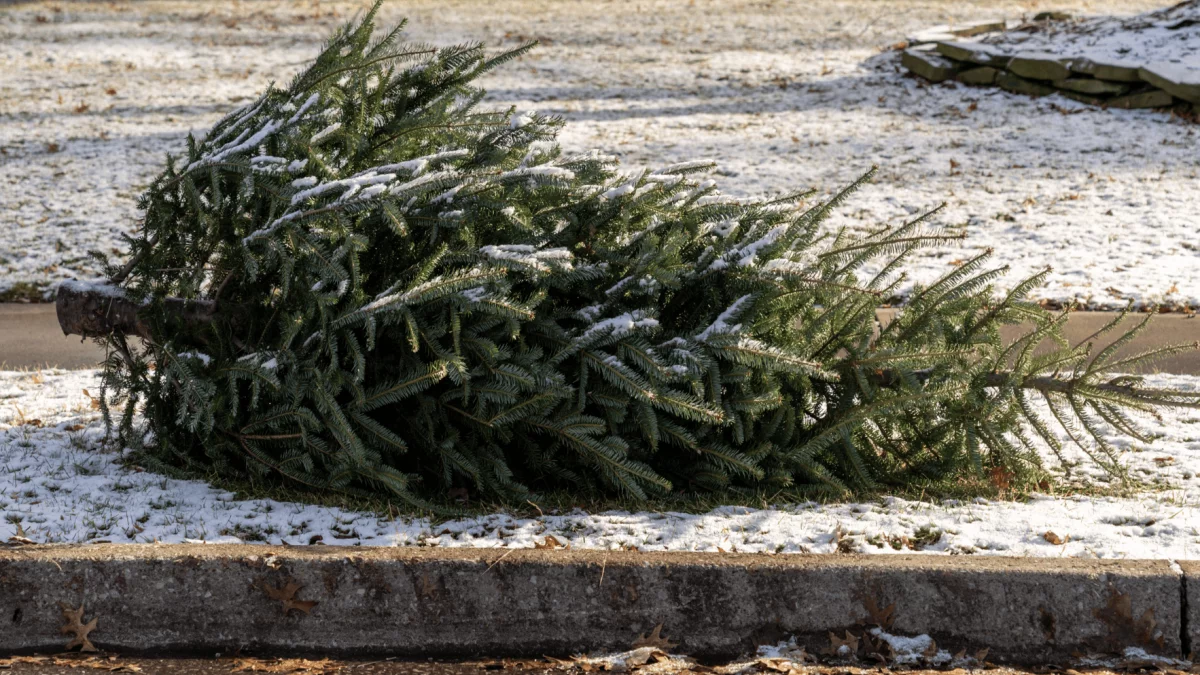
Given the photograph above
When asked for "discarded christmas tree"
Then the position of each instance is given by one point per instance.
(363, 283)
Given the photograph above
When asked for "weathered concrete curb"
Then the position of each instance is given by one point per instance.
(462, 602)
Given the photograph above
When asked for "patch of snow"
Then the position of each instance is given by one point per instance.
(327, 131)
(62, 484)
(724, 322)
(913, 650)
(530, 256)
(523, 119)
(619, 326)
(203, 358)
(96, 287)
(1170, 35)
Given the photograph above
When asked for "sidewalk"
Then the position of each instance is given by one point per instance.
(31, 338)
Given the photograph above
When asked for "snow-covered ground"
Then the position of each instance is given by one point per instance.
(59, 484)
(1166, 36)
(785, 95)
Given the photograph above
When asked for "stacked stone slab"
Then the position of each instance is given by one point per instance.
(1110, 83)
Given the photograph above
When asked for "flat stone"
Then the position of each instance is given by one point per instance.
(929, 65)
(972, 29)
(973, 52)
(982, 75)
(938, 33)
(1039, 66)
(1088, 85)
(1106, 69)
(1155, 98)
(1176, 79)
(1082, 98)
(1051, 16)
(1020, 85)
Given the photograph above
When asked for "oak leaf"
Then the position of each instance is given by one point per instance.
(847, 646)
(778, 665)
(1123, 630)
(654, 639)
(286, 595)
(640, 656)
(550, 542)
(930, 651)
(1055, 539)
(76, 626)
(884, 618)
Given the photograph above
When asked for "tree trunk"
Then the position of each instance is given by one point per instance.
(98, 310)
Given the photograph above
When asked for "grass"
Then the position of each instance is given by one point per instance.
(24, 291)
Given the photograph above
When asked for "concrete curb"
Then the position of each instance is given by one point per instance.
(522, 602)
(1190, 600)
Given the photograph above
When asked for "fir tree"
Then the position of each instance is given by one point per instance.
(364, 282)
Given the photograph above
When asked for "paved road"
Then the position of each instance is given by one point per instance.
(30, 338)
(78, 664)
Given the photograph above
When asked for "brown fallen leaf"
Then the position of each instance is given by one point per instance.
(550, 542)
(642, 655)
(1055, 539)
(654, 639)
(1123, 629)
(932, 650)
(13, 660)
(778, 665)
(850, 642)
(286, 595)
(76, 626)
(1001, 477)
(884, 618)
(110, 663)
(285, 666)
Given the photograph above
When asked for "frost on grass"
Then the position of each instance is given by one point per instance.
(1097, 194)
(59, 483)
(1170, 35)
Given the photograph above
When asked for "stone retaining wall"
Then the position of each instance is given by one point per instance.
(1110, 83)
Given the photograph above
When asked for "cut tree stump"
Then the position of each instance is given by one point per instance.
(99, 310)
